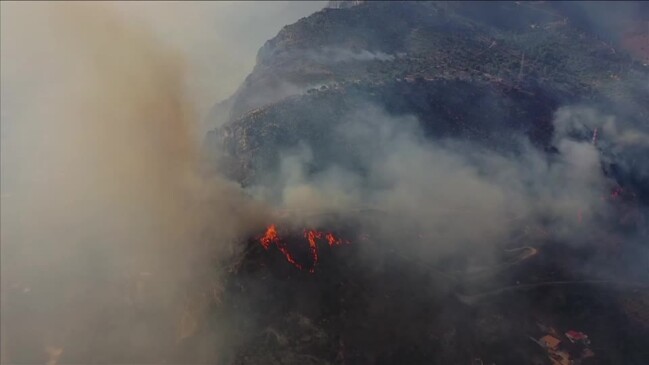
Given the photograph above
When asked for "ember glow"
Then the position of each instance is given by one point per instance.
(312, 236)
(269, 237)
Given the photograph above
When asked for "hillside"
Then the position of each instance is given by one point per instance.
(501, 148)
(458, 67)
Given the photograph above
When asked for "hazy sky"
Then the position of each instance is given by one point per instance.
(219, 38)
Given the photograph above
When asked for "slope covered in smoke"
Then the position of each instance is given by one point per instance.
(506, 63)
(443, 139)
(395, 182)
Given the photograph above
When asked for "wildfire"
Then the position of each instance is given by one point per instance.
(270, 237)
(312, 236)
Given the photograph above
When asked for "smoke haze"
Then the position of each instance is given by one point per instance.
(112, 234)
(219, 40)
(442, 188)
(104, 213)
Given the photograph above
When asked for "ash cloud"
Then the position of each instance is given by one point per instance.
(219, 40)
(108, 227)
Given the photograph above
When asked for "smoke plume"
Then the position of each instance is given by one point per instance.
(451, 196)
(114, 237)
(106, 220)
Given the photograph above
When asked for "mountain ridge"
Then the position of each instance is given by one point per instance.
(530, 59)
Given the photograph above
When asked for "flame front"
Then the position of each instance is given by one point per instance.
(312, 236)
(270, 237)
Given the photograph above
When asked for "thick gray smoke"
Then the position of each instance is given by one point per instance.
(111, 237)
(219, 40)
(457, 196)
(105, 218)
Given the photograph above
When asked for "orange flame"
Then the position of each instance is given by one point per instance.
(289, 257)
(271, 237)
(311, 236)
(333, 240)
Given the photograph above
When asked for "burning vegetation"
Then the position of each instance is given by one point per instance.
(312, 236)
